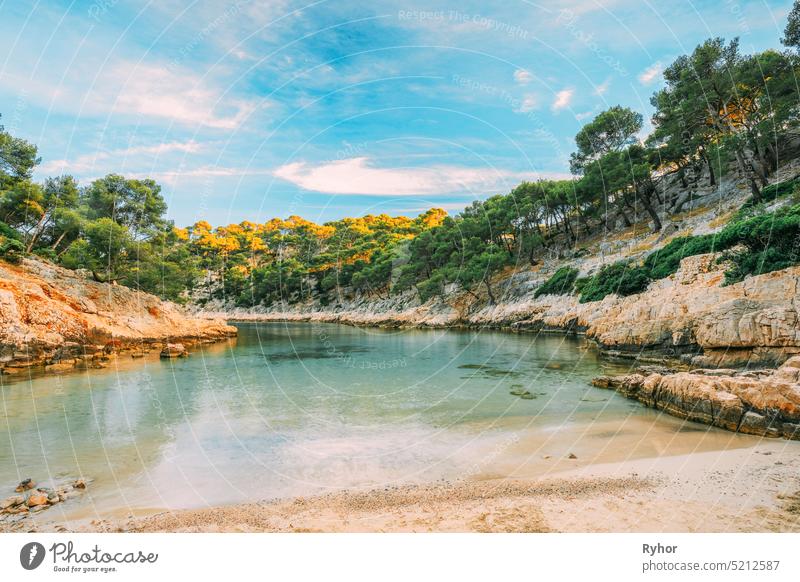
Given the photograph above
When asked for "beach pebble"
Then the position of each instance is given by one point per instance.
(24, 485)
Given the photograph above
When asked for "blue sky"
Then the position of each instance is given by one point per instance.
(250, 109)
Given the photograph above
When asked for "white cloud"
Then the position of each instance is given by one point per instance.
(602, 88)
(529, 103)
(190, 147)
(650, 74)
(563, 99)
(583, 115)
(156, 91)
(358, 176)
(88, 162)
(522, 76)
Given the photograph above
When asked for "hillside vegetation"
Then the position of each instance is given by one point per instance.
(719, 111)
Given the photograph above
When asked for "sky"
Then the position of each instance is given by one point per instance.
(249, 109)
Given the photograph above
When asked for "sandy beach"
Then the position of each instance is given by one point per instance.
(754, 489)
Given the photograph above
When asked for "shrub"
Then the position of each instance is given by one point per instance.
(771, 241)
(779, 190)
(666, 260)
(328, 282)
(581, 283)
(768, 194)
(747, 263)
(11, 250)
(560, 283)
(621, 278)
(8, 232)
(46, 253)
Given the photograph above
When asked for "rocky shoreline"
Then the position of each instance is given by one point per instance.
(688, 320)
(688, 317)
(31, 498)
(763, 403)
(53, 320)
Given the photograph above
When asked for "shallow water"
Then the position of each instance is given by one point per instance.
(293, 409)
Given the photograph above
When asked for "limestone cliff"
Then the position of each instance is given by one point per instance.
(54, 319)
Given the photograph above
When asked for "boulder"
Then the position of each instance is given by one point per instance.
(37, 498)
(174, 351)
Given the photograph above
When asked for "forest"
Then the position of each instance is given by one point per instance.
(719, 111)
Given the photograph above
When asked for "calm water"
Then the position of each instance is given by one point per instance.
(295, 409)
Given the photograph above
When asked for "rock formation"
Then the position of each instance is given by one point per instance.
(760, 403)
(53, 319)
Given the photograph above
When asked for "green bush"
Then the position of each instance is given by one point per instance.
(581, 283)
(768, 194)
(11, 250)
(771, 242)
(666, 260)
(8, 232)
(747, 263)
(621, 278)
(560, 283)
(779, 190)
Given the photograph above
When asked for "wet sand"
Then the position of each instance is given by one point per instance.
(752, 489)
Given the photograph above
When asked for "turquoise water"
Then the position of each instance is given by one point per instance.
(295, 409)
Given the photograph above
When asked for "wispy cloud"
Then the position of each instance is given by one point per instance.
(359, 176)
(90, 162)
(651, 73)
(156, 91)
(522, 76)
(563, 99)
(153, 92)
(603, 87)
(529, 103)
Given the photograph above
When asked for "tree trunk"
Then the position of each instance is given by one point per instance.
(745, 173)
(531, 260)
(625, 220)
(648, 206)
(764, 163)
(712, 179)
(653, 214)
(36, 232)
(541, 235)
(772, 156)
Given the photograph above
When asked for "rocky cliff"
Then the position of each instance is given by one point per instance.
(53, 319)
